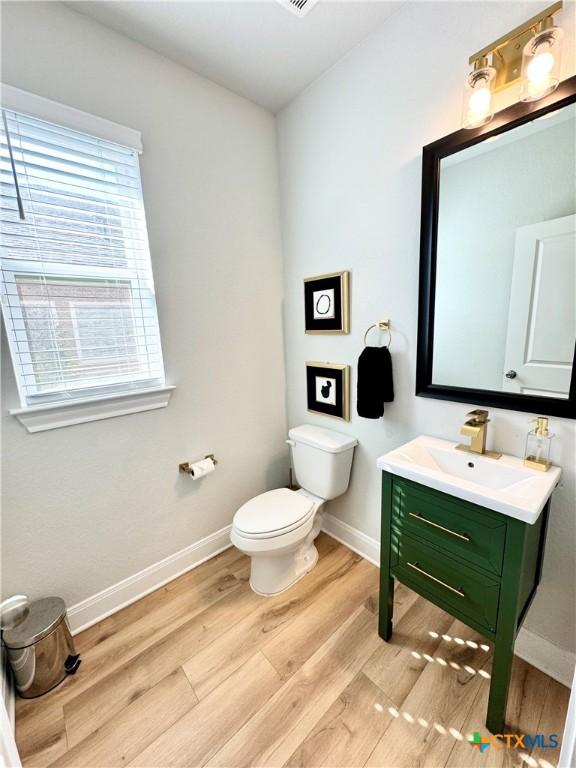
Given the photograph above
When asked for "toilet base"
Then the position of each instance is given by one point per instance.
(281, 571)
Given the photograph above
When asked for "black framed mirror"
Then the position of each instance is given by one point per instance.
(497, 303)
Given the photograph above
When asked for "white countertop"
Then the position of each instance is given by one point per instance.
(504, 485)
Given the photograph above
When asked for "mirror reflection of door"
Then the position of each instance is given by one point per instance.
(542, 318)
(505, 272)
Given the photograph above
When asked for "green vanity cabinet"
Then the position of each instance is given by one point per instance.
(478, 565)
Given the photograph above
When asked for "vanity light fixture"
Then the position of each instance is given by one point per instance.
(477, 107)
(541, 61)
(530, 53)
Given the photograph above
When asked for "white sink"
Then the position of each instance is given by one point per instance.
(504, 485)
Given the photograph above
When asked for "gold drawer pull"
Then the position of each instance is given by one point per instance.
(441, 527)
(442, 583)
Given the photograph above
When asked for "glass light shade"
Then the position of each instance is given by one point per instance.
(477, 105)
(541, 64)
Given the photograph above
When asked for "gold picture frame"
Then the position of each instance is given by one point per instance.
(334, 290)
(328, 389)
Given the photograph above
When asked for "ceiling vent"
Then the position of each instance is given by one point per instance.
(298, 7)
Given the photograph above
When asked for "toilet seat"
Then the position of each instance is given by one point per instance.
(273, 513)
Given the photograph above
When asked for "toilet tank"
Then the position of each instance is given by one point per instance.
(321, 459)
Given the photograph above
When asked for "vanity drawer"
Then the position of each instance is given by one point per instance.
(445, 581)
(457, 527)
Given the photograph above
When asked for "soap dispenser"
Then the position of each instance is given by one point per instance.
(537, 453)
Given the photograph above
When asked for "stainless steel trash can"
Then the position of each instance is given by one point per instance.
(40, 647)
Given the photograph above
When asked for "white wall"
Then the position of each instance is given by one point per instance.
(484, 199)
(88, 505)
(350, 164)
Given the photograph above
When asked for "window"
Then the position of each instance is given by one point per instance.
(77, 288)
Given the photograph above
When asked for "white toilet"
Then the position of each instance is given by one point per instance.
(278, 528)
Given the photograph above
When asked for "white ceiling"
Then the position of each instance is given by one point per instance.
(258, 49)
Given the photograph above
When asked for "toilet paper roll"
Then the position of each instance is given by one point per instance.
(201, 468)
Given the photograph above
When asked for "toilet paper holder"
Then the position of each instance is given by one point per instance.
(185, 465)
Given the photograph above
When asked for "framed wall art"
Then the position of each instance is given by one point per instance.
(326, 303)
(328, 389)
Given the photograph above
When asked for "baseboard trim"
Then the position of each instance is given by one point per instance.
(352, 538)
(536, 650)
(545, 656)
(118, 596)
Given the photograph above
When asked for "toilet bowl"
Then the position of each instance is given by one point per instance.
(285, 553)
(277, 529)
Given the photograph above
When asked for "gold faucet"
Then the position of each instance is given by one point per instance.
(476, 428)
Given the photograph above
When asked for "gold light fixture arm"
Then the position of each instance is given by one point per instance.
(506, 51)
(527, 26)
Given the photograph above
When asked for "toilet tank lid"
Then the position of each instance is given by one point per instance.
(324, 439)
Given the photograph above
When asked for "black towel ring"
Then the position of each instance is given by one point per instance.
(383, 325)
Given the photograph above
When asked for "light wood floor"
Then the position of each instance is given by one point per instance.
(205, 672)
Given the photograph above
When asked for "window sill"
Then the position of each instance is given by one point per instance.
(39, 418)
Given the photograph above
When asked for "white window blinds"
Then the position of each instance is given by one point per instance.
(77, 287)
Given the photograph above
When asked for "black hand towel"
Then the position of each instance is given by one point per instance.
(375, 385)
